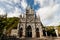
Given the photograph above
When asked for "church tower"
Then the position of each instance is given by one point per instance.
(30, 25)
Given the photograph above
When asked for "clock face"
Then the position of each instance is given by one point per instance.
(30, 18)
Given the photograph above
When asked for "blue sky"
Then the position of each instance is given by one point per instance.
(48, 10)
(31, 3)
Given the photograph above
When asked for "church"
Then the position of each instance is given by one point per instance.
(29, 25)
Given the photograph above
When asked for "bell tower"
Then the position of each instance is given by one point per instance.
(30, 22)
(34, 22)
(29, 14)
(29, 10)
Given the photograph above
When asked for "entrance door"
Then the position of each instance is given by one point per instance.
(37, 33)
(29, 34)
(28, 31)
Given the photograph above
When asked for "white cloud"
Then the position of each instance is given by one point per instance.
(44, 3)
(12, 7)
(2, 12)
(9, 1)
(49, 12)
(24, 4)
(15, 13)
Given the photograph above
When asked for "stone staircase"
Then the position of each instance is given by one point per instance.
(44, 38)
(31, 39)
(27, 38)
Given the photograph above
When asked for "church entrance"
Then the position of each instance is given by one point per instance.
(29, 31)
(37, 32)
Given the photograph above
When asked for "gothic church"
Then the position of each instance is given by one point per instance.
(29, 25)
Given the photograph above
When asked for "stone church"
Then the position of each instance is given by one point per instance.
(29, 25)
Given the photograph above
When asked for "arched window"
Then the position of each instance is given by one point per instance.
(37, 32)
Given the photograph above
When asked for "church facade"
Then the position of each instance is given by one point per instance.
(29, 25)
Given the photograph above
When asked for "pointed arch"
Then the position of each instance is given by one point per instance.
(29, 28)
(37, 32)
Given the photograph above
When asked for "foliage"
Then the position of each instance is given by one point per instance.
(50, 31)
(11, 23)
(8, 23)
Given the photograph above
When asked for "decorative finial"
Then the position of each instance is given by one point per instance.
(28, 7)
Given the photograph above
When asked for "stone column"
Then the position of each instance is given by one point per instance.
(41, 33)
(18, 30)
(56, 30)
(46, 34)
(33, 32)
(23, 32)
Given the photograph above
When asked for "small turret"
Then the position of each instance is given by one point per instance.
(28, 7)
(29, 10)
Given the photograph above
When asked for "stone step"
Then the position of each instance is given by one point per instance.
(32, 39)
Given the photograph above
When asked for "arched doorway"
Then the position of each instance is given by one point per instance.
(29, 31)
(20, 32)
(37, 32)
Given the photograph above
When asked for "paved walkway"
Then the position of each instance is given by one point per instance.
(46, 38)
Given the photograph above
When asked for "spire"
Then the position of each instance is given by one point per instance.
(29, 10)
(28, 7)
